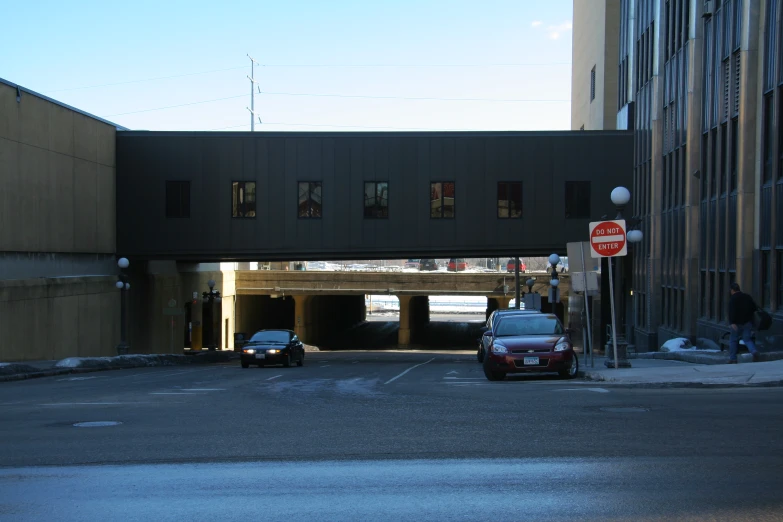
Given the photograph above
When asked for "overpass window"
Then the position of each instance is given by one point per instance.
(442, 199)
(577, 200)
(510, 200)
(376, 200)
(243, 199)
(309, 199)
(178, 199)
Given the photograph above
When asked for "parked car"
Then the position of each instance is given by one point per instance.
(412, 263)
(492, 323)
(511, 266)
(269, 347)
(457, 265)
(428, 265)
(526, 343)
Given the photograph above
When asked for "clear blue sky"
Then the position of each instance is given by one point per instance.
(448, 49)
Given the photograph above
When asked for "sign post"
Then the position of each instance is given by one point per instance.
(607, 239)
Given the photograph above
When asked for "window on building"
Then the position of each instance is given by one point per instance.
(723, 178)
(577, 199)
(442, 200)
(766, 279)
(780, 280)
(704, 312)
(243, 199)
(376, 199)
(178, 199)
(767, 154)
(510, 199)
(734, 154)
(310, 199)
(592, 84)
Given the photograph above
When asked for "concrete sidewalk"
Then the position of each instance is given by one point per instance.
(653, 372)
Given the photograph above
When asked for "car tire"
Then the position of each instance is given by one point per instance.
(300, 362)
(494, 376)
(571, 372)
(245, 365)
(287, 362)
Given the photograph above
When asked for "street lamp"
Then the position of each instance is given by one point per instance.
(123, 286)
(530, 282)
(554, 293)
(213, 296)
(620, 197)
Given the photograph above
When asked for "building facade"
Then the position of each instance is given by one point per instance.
(594, 79)
(701, 84)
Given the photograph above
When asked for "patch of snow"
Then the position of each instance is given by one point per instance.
(5, 364)
(70, 362)
(677, 344)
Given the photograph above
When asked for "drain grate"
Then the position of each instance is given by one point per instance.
(631, 409)
(96, 424)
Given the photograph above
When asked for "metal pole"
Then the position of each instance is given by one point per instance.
(614, 322)
(252, 94)
(517, 285)
(587, 308)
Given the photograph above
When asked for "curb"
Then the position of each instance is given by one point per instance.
(593, 377)
(163, 360)
(703, 358)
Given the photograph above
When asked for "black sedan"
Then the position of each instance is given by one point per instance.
(269, 347)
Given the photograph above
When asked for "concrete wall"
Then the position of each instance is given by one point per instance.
(57, 230)
(595, 44)
(55, 318)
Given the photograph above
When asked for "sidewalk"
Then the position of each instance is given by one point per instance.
(665, 373)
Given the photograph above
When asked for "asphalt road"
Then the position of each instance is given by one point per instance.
(383, 436)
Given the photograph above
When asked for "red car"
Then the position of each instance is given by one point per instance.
(511, 268)
(457, 265)
(530, 343)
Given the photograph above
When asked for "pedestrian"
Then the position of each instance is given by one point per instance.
(741, 310)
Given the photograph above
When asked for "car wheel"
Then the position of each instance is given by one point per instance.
(494, 376)
(571, 372)
(300, 362)
(245, 365)
(287, 362)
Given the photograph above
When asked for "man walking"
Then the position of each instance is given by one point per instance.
(741, 309)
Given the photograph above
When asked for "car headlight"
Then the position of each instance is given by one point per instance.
(561, 347)
(250, 351)
(272, 351)
(499, 348)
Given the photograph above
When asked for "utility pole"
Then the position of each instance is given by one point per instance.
(252, 79)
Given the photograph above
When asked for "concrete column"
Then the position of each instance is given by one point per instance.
(503, 302)
(301, 317)
(404, 335)
(197, 319)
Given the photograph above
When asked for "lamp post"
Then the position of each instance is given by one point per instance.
(620, 197)
(209, 298)
(123, 286)
(554, 282)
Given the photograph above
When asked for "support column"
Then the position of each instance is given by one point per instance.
(301, 317)
(197, 320)
(404, 335)
(503, 302)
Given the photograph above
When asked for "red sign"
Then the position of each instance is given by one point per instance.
(607, 238)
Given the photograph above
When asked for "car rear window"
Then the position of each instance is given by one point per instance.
(271, 336)
(522, 325)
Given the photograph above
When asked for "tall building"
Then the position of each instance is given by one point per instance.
(701, 84)
(594, 73)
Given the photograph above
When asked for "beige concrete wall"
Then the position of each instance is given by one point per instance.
(56, 318)
(57, 178)
(594, 44)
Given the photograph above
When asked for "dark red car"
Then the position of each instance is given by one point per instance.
(511, 266)
(527, 344)
(457, 265)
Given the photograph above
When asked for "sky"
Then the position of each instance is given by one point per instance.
(322, 65)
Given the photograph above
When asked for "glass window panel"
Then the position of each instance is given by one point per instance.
(766, 279)
(436, 201)
(502, 200)
(243, 199)
(769, 116)
(304, 199)
(376, 200)
(780, 280)
(250, 199)
(734, 154)
(315, 199)
(515, 200)
(448, 200)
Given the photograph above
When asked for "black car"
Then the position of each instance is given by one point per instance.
(428, 264)
(268, 347)
(492, 324)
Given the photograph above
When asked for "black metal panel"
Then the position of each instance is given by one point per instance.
(476, 162)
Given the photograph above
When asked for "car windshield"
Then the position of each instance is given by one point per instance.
(271, 336)
(520, 325)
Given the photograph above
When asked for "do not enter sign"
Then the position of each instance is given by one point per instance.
(607, 239)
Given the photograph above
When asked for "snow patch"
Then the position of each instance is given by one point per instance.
(70, 362)
(677, 344)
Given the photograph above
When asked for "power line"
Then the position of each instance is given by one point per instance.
(432, 98)
(146, 79)
(180, 105)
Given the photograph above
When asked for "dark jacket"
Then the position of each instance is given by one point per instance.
(741, 308)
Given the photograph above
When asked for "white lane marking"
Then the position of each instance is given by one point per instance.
(202, 389)
(355, 362)
(453, 372)
(596, 390)
(275, 377)
(171, 393)
(467, 378)
(406, 371)
(76, 379)
(328, 365)
(89, 403)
